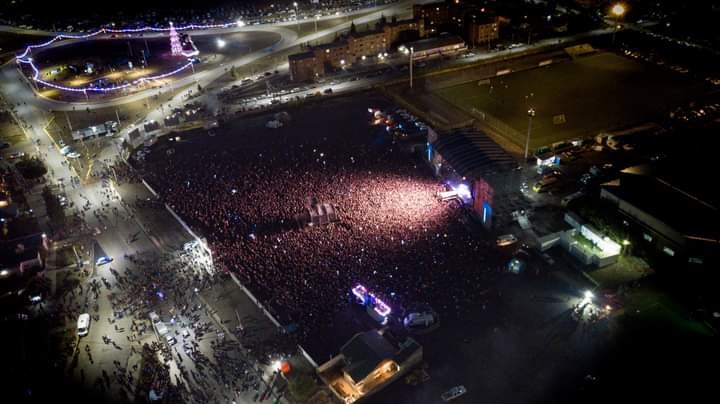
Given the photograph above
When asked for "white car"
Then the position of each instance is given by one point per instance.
(424, 319)
(105, 259)
(506, 239)
(74, 155)
(171, 340)
(65, 150)
(453, 393)
(83, 324)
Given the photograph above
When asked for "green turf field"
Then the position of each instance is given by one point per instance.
(594, 93)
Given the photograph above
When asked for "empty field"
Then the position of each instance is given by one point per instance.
(573, 99)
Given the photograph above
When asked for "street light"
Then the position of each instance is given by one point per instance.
(618, 10)
(297, 20)
(240, 23)
(220, 43)
(531, 115)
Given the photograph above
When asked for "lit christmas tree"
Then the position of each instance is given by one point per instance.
(175, 46)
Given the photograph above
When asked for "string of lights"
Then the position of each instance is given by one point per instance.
(24, 57)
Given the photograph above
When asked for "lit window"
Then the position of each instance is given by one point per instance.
(695, 260)
(647, 237)
(669, 251)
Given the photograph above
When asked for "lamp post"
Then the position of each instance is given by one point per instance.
(618, 10)
(531, 115)
(412, 55)
(297, 20)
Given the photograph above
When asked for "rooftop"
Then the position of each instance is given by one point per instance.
(301, 56)
(436, 42)
(364, 352)
(680, 209)
(473, 154)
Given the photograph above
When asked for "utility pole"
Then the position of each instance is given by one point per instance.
(531, 115)
(117, 115)
(412, 55)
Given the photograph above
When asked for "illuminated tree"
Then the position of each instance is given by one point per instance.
(175, 46)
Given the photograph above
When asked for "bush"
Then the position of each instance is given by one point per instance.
(31, 168)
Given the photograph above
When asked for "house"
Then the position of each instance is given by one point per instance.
(367, 363)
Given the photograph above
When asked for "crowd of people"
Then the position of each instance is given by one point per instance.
(394, 236)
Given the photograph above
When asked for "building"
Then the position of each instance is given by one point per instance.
(434, 15)
(304, 66)
(472, 160)
(443, 45)
(367, 363)
(20, 259)
(481, 28)
(365, 43)
(666, 213)
(352, 48)
(397, 32)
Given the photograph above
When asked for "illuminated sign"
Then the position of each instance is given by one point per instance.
(365, 297)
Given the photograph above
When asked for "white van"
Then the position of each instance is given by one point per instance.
(83, 324)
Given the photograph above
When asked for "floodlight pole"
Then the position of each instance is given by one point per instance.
(531, 115)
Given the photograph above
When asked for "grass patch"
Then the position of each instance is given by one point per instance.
(301, 386)
(575, 99)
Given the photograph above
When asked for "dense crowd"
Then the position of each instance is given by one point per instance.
(393, 236)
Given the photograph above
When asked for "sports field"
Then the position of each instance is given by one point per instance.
(579, 98)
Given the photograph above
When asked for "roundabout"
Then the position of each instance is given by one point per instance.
(109, 63)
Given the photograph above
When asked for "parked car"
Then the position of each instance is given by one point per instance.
(424, 319)
(506, 239)
(105, 259)
(453, 393)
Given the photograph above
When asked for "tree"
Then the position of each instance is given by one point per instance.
(31, 168)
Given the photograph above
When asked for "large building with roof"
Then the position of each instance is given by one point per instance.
(443, 45)
(367, 363)
(471, 159)
(667, 213)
